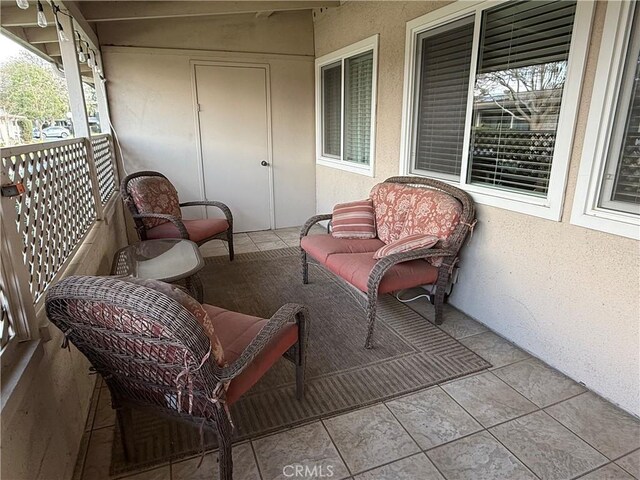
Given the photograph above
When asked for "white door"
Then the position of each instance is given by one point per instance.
(234, 137)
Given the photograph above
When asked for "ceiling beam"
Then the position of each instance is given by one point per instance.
(108, 11)
(12, 16)
(35, 35)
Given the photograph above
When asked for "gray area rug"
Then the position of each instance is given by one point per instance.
(410, 353)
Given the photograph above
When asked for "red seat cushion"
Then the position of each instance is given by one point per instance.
(356, 267)
(198, 229)
(235, 332)
(321, 247)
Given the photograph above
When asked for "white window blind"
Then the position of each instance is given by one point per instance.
(331, 109)
(621, 184)
(441, 95)
(522, 68)
(357, 118)
(345, 107)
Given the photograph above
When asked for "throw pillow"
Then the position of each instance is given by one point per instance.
(406, 244)
(354, 220)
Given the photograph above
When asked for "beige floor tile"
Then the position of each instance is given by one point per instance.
(631, 463)
(262, 246)
(476, 457)
(432, 418)
(300, 449)
(608, 472)
(241, 239)
(105, 414)
(161, 473)
(538, 382)
(96, 465)
(488, 399)
(263, 236)
(246, 248)
(244, 466)
(494, 349)
(416, 467)
(93, 406)
(549, 449)
(82, 455)
(369, 438)
(606, 427)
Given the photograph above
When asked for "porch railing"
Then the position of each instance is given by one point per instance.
(103, 156)
(60, 202)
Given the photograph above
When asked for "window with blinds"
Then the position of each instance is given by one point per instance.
(520, 77)
(444, 56)
(345, 108)
(621, 183)
(357, 115)
(331, 109)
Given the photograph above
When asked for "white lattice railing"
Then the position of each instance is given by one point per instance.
(60, 202)
(104, 157)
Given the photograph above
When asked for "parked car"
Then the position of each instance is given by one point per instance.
(55, 132)
(36, 133)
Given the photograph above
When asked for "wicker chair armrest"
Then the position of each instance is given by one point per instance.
(287, 313)
(385, 263)
(212, 203)
(312, 221)
(175, 220)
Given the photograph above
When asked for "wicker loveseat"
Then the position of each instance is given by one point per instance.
(403, 206)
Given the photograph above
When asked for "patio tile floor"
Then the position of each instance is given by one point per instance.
(540, 423)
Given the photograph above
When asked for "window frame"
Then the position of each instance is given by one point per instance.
(341, 55)
(614, 49)
(549, 207)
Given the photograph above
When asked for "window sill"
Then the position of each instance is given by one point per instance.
(17, 373)
(366, 170)
(624, 225)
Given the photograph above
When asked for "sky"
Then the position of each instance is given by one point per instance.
(8, 48)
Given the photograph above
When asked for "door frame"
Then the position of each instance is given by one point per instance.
(198, 137)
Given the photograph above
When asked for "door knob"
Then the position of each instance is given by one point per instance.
(264, 163)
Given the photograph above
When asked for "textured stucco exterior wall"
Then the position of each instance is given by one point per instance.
(41, 440)
(151, 96)
(566, 294)
(288, 33)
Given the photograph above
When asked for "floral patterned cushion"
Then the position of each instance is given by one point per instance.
(154, 195)
(432, 212)
(403, 210)
(391, 202)
(189, 304)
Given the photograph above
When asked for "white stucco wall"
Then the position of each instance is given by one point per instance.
(566, 294)
(41, 437)
(151, 96)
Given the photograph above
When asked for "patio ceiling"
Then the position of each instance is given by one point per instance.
(22, 27)
(110, 11)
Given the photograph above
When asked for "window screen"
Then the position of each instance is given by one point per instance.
(522, 68)
(357, 119)
(444, 56)
(331, 109)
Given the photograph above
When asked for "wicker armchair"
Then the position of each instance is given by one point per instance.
(143, 337)
(154, 205)
(445, 251)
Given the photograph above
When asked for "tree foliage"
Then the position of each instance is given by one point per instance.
(30, 87)
(531, 93)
